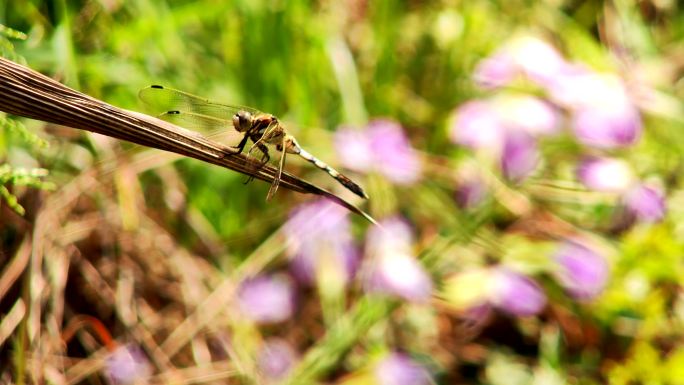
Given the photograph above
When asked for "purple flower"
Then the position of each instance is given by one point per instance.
(127, 364)
(354, 149)
(319, 236)
(529, 56)
(528, 114)
(506, 128)
(399, 369)
(645, 203)
(519, 156)
(477, 126)
(607, 127)
(381, 147)
(603, 114)
(394, 269)
(605, 174)
(495, 71)
(471, 192)
(516, 294)
(266, 299)
(538, 60)
(582, 271)
(276, 358)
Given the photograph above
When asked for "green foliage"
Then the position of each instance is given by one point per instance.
(21, 177)
(6, 46)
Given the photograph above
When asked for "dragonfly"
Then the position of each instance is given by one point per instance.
(263, 129)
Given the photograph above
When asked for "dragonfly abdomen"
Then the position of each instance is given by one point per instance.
(346, 182)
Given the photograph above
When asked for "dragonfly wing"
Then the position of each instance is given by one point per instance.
(195, 120)
(217, 129)
(163, 98)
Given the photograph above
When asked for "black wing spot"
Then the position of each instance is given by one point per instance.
(174, 112)
(157, 86)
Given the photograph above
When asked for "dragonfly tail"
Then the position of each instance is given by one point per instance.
(343, 180)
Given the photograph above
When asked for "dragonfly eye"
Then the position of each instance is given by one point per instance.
(242, 121)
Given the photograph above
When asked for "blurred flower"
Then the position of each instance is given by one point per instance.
(477, 125)
(519, 157)
(642, 202)
(399, 369)
(582, 271)
(354, 149)
(603, 114)
(381, 147)
(266, 299)
(276, 358)
(645, 203)
(394, 269)
(506, 127)
(605, 174)
(537, 59)
(516, 294)
(607, 128)
(528, 114)
(319, 236)
(495, 71)
(470, 192)
(529, 56)
(127, 364)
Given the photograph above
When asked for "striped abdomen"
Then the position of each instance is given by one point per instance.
(344, 181)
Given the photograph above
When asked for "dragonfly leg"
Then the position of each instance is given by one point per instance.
(242, 144)
(265, 157)
(279, 174)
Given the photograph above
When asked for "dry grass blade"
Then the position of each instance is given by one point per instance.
(27, 93)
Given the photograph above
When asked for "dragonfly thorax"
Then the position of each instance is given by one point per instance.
(242, 121)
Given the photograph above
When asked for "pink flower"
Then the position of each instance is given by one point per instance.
(507, 128)
(319, 235)
(603, 114)
(645, 203)
(495, 71)
(394, 270)
(528, 114)
(354, 149)
(478, 125)
(382, 147)
(127, 364)
(605, 174)
(471, 192)
(519, 157)
(605, 127)
(276, 358)
(582, 271)
(516, 294)
(642, 202)
(266, 299)
(399, 369)
(528, 56)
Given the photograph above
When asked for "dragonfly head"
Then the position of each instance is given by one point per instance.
(242, 121)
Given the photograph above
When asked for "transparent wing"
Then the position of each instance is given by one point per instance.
(209, 125)
(164, 99)
(195, 120)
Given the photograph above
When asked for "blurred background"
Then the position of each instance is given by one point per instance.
(523, 159)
